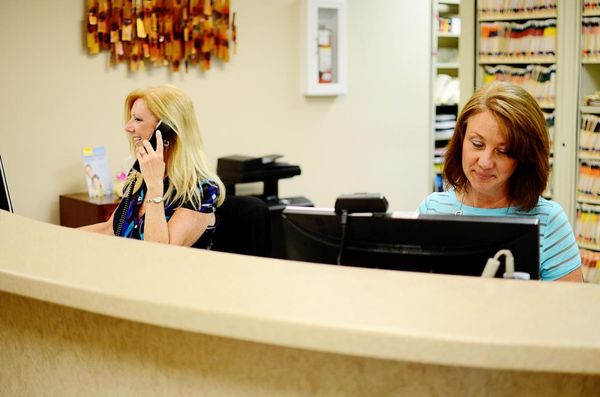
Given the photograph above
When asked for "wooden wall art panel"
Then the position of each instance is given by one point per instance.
(173, 33)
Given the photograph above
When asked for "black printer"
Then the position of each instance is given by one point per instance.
(244, 169)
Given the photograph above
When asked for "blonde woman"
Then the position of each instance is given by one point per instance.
(172, 192)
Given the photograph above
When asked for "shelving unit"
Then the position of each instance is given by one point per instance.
(561, 105)
(587, 219)
(575, 182)
(446, 66)
(511, 48)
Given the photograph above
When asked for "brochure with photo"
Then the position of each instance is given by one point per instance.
(97, 174)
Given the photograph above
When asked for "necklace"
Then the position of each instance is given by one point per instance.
(460, 209)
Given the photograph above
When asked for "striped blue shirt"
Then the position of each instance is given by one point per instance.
(559, 254)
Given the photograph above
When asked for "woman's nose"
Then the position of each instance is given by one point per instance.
(128, 127)
(486, 160)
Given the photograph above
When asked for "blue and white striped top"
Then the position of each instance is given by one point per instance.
(559, 254)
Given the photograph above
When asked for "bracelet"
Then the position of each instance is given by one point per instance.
(155, 200)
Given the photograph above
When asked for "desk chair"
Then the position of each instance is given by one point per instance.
(243, 226)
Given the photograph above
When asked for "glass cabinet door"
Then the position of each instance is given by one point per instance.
(324, 47)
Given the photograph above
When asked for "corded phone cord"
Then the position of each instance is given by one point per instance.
(125, 206)
(343, 222)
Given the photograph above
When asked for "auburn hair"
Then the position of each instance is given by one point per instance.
(524, 127)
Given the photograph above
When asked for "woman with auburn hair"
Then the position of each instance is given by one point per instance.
(171, 192)
(497, 164)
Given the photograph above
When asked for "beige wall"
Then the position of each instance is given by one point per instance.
(57, 100)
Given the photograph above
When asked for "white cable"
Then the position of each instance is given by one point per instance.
(492, 265)
(509, 262)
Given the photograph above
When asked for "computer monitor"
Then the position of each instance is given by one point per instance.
(446, 244)
(5, 202)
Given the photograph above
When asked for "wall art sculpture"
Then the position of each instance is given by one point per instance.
(173, 33)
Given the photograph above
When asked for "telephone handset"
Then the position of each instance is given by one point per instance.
(166, 132)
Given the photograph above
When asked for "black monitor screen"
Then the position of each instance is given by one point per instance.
(5, 203)
(446, 244)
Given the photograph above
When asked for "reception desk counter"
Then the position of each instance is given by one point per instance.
(85, 314)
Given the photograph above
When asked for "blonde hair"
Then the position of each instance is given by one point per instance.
(187, 163)
(524, 126)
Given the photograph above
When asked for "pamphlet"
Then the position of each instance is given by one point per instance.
(97, 174)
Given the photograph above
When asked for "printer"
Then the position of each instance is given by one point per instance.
(244, 169)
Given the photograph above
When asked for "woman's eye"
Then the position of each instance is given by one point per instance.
(503, 152)
(477, 144)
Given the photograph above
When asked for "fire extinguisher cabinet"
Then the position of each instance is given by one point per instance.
(324, 47)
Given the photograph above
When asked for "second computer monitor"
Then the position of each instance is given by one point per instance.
(459, 245)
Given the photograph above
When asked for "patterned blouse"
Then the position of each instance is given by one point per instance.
(133, 225)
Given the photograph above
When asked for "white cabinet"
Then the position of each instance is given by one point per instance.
(324, 69)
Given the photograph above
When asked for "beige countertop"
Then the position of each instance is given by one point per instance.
(413, 317)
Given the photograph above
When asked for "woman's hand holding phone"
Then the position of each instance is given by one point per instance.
(151, 161)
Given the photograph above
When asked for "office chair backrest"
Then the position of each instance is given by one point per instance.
(243, 226)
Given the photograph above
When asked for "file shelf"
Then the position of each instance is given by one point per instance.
(587, 227)
(503, 55)
(575, 77)
(446, 68)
